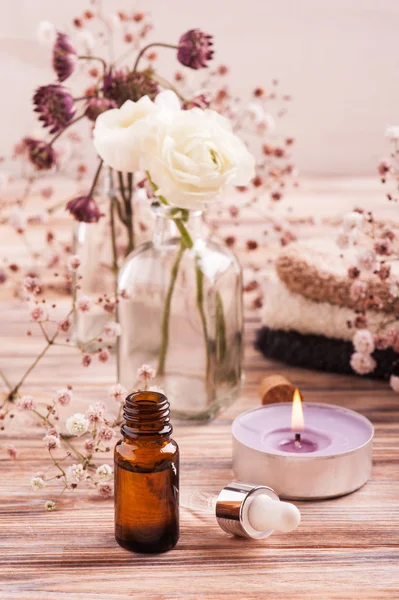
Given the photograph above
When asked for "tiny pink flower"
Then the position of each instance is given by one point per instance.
(383, 247)
(38, 314)
(103, 355)
(117, 392)
(64, 325)
(73, 262)
(145, 373)
(95, 414)
(86, 360)
(366, 259)
(83, 304)
(89, 445)
(362, 363)
(31, 285)
(105, 490)
(54, 431)
(394, 383)
(75, 474)
(51, 441)
(112, 330)
(26, 403)
(105, 434)
(358, 290)
(64, 396)
(363, 341)
(384, 271)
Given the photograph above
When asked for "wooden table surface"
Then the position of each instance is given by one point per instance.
(344, 548)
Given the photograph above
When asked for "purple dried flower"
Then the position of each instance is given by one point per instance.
(199, 101)
(195, 49)
(55, 106)
(121, 86)
(96, 106)
(40, 153)
(84, 209)
(64, 56)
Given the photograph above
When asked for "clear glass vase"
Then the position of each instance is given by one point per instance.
(181, 312)
(101, 248)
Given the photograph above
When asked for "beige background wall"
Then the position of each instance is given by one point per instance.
(338, 58)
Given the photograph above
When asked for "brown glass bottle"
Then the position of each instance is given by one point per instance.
(146, 476)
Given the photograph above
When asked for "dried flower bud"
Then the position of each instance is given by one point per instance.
(84, 209)
(195, 49)
(55, 105)
(41, 154)
(64, 56)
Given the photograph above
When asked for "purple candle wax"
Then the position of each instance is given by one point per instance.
(329, 430)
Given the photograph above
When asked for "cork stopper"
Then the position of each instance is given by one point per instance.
(276, 388)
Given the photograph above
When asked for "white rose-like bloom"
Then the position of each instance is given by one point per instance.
(192, 156)
(77, 424)
(118, 133)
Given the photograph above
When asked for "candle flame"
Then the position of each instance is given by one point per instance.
(297, 421)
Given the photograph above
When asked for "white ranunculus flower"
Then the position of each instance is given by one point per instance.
(193, 156)
(118, 132)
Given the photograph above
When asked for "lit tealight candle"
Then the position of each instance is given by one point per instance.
(303, 450)
(297, 441)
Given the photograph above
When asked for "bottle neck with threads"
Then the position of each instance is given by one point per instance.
(147, 416)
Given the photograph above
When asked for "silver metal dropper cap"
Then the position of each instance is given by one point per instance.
(232, 505)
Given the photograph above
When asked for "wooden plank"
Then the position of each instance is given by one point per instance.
(344, 548)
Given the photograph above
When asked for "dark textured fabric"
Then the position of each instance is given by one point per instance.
(320, 353)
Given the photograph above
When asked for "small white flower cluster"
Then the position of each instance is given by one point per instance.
(77, 424)
(361, 361)
(104, 473)
(75, 474)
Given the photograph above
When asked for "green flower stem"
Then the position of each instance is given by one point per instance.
(115, 269)
(166, 311)
(127, 219)
(221, 345)
(187, 242)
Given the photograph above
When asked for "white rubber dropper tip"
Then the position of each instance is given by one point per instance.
(264, 513)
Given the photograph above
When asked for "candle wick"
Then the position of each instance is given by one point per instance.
(298, 440)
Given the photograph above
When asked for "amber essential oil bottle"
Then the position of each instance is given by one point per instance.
(146, 476)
